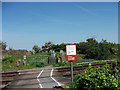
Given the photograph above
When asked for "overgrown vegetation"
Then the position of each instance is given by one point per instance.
(33, 61)
(92, 49)
(3, 45)
(65, 63)
(97, 79)
(80, 59)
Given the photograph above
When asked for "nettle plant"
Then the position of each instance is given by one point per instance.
(96, 78)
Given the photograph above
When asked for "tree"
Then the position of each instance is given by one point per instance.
(91, 42)
(82, 47)
(101, 50)
(63, 46)
(36, 49)
(11, 48)
(56, 48)
(3, 45)
(106, 49)
(47, 46)
(59, 47)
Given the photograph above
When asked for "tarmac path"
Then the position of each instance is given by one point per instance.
(46, 80)
(46, 77)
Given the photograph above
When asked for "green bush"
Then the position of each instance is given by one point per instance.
(58, 64)
(61, 64)
(8, 59)
(96, 78)
(37, 64)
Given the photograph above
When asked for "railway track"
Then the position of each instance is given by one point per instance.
(79, 69)
(8, 77)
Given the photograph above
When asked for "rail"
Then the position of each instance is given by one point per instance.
(8, 77)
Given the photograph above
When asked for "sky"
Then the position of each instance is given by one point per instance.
(60, 0)
(25, 24)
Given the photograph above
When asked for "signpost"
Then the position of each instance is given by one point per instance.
(71, 56)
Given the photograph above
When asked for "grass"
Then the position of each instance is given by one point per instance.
(65, 63)
(79, 60)
(37, 61)
(33, 61)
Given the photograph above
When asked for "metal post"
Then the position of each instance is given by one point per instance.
(71, 68)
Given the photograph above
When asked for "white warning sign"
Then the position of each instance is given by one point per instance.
(71, 49)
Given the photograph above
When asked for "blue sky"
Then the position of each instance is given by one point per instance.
(26, 24)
